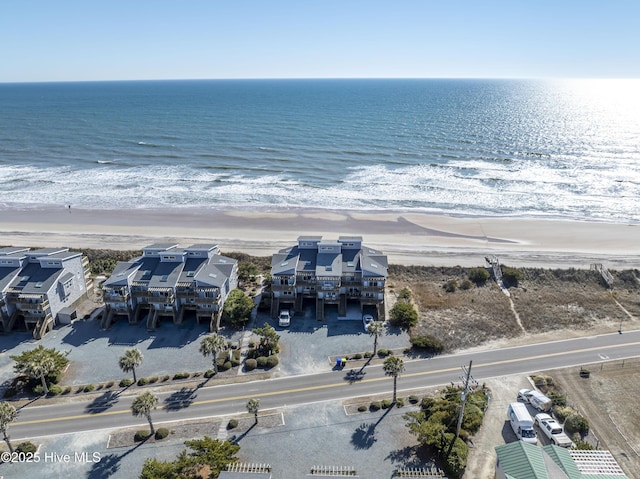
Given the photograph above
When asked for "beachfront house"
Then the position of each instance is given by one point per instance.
(169, 282)
(37, 286)
(330, 273)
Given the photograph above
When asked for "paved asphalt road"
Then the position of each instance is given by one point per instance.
(41, 420)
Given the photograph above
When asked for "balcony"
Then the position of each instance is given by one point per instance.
(161, 299)
(30, 304)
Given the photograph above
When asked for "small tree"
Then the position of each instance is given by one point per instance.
(7, 416)
(130, 360)
(142, 405)
(393, 366)
(375, 329)
(40, 363)
(237, 307)
(212, 345)
(41, 368)
(253, 406)
(268, 339)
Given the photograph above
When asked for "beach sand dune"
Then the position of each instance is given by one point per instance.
(407, 237)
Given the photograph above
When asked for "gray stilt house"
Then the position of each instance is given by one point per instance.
(36, 285)
(168, 281)
(337, 273)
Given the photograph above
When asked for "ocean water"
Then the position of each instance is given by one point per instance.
(567, 149)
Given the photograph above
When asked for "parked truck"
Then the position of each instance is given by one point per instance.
(521, 422)
(553, 430)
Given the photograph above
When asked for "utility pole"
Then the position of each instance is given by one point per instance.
(466, 380)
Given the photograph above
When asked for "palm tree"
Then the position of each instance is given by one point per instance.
(130, 360)
(142, 405)
(393, 366)
(253, 406)
(212, 345)
(7, 416)
(40, 369)
(375, 329)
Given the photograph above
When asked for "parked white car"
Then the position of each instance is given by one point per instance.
(366, 320)
(284, 319)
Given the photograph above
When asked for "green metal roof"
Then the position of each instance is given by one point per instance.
(522, 461)
(563, 459)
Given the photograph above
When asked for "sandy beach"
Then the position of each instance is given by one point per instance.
(407, 237)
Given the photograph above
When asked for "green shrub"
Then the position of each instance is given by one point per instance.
(383, 353)
(272, 361)
(357, 356)
(55, 390)
(261, 361)
(232, 424)
(479, 276)
(386, 404)
(109, 384)
(450, 286)
(427, 342)
(400, 402)
(413, 399)
(375, 406)
(562, 413)
(161, 433)
(66, 390)
(209, 373)
(362, 408)
(38, 389)
(141, 435)
(236, 358)
(583, 445)
(165, 378)
(143, 382)
(368, 354)
(404, 294)
(466, 285)
(557, 398)
(125, 383)
(182, 375)
(456, 462)
(576, 423)
(250, 364)
(225, 366)
(403, 315)
(26, 447)
(153, 379)
(511, 276)
(88, 388)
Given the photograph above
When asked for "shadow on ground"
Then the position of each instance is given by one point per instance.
(180, 399)
(108, 465)
(167, 335)
(104, 402)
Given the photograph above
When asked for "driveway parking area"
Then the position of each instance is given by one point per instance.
(305, 346)
(307, 343)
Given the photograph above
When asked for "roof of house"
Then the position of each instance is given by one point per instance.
(294, 260)
(12, 250)
(7, 275)
(34, 279)
(519, 460)
(122, 272)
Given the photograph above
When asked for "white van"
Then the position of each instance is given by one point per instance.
(536, 399)
(521, 422)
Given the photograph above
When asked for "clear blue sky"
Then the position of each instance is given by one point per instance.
(46, 40)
